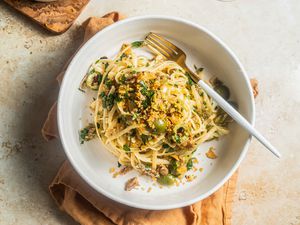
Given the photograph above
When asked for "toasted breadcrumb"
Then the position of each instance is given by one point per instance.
(111, 170)
(211, 154)
(201, 169)
(190, 178)
(125, 170)
(149, 189)
(131, 184)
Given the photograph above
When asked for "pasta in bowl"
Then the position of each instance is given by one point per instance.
(150, 114)
(194, 175)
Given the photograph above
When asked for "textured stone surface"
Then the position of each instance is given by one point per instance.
(264, 34)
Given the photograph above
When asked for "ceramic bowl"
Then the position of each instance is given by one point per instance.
(92, 161)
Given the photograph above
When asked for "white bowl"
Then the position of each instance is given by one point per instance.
(92, 161)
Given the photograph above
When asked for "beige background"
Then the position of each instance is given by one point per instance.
(264, 34)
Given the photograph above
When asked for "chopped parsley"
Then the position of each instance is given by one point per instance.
(168, 148)
(173, 167)
(189, 164)
(176, 138)
(123, 79)
(144, 138)
(92, 71)
(102, 94)
(190, 81)
(147, 93)
(134, 116)
(137, 44)
(126, 148)
(100, 76)
(87, 133)
(108, 82)
(165, 145)
(123, 55)
(82, 134)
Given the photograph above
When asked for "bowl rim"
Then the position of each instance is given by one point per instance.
(115, 197)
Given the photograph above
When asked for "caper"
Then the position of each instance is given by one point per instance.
(160, 125)
(223, 91)
(166, 180)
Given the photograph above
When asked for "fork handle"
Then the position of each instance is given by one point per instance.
(238, 117)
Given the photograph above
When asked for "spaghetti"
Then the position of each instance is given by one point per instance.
(150, 114)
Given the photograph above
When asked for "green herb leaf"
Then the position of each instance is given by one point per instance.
(92, 71)
(165, 145)
(137, 44)
(126, 148)
(190, 81)
(144, 138)
(176, 138)
(108, 82)
(100, 78)
(145, 103)
(173, 167)
(147, 166)
(169, 149)
(102, 94)
(82, 134)
(123, 79)
(134, 116)
(110, 100)
(189, 164)
(123, 55)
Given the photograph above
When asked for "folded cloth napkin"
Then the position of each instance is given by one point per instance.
(88, 207)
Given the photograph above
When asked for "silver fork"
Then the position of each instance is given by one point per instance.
(159, 45)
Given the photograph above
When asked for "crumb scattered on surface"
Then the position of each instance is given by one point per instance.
(122, 171)
(149, 189)
(190, 178)
(254, 85)
(211, 154)
(242, 196)
(111, 170)
(125, 170)
(10, 149)
(131, 184)
(201, 169)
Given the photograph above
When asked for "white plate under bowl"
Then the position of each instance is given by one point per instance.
(92, 161)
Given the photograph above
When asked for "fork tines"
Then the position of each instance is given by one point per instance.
(160, 45)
